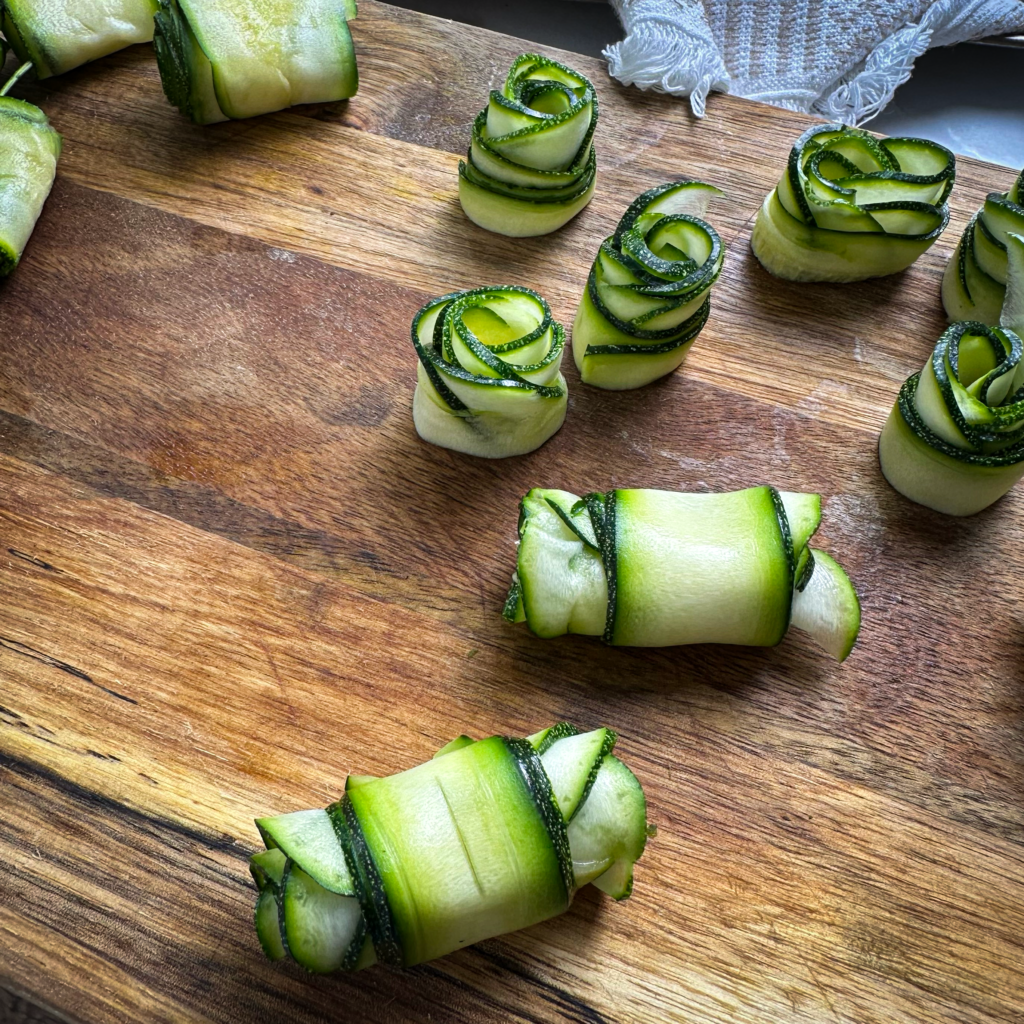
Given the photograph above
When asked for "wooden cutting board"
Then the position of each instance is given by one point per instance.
(230, 573)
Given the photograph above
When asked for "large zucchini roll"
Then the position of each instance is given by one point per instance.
(646, 568)
(648, 293)
(954, 440)
(489, 380)
(488, 837)
(29, 149)
(531, 163)
(222, 59)
(851, 206)
(58, 35)
(974, 285)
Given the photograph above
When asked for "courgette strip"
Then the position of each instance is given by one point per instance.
(485, 838)
(851, 206)
(29, 150)
(489, 380)
(679, 568)
(648, 294)
(531, 165)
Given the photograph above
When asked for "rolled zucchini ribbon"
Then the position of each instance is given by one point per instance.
(489, 379)
(974, 284)
(59, 35)
(954, 440)
(488, 837)
(647, 568)
(851, 206)
(531, 164)
(224, 59)
(648, 294)
(29, 150)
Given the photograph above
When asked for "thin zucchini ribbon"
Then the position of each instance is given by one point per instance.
(531, 164)
(851, 206)
(646, 568)
(29, 150)
(222, 59)
(393, 871)
(489, 379)
(648, 294)
(58, 35)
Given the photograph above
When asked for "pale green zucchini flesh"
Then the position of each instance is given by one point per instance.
(661, 568)
(851, 206)
(489, 380)
(827, 607)
(58, 35)
(648, 293)
(531, 165)
(29, 150)
(222, 59)
(486, 837)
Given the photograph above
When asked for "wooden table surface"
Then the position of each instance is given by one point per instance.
(231, 573)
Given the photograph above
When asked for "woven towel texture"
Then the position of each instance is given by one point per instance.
(837, 58)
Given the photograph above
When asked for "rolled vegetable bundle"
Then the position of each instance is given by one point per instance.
(531, 163)
(222, 59)
(489, 379)
(647, 568)
(851, 206)
(29, 149)
(648, 294)
(974, 285)
(59, 35)
(488, 837)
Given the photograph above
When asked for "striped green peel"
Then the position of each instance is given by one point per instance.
(485, 838)
(489, 379)
(531, 165)
(648, 294)
(29, 150)
(851, 206)
(224, 59)
(58, 35)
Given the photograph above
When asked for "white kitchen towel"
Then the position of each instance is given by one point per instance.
(842, 59)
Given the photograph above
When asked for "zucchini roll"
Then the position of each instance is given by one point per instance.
(222, 59)
(851, 206)
(974, 285)
(59, 35)
(648, 294)
(29, 149)
(489, 379)
(954, 440)
(488, 837)
(646, 568)
(531, 163)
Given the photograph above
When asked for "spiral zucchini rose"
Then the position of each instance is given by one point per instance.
(647, 568)
(974, 285)
(29, 149)
(648, 294)
(222, 59)
(531, 164)
(851, 206)
(488, 837)
(489, 380)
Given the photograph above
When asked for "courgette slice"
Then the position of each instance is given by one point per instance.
(489, 380)
(308, 839)
(648, 293)
(222, 59)
(456, 744)
(491, 836)
(670, 568)
(851, 206)
(29, 150)
(531, 165)
(827, 608)
(59, 35)
(954, 440)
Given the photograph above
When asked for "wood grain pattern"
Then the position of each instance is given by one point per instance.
(230, 573)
